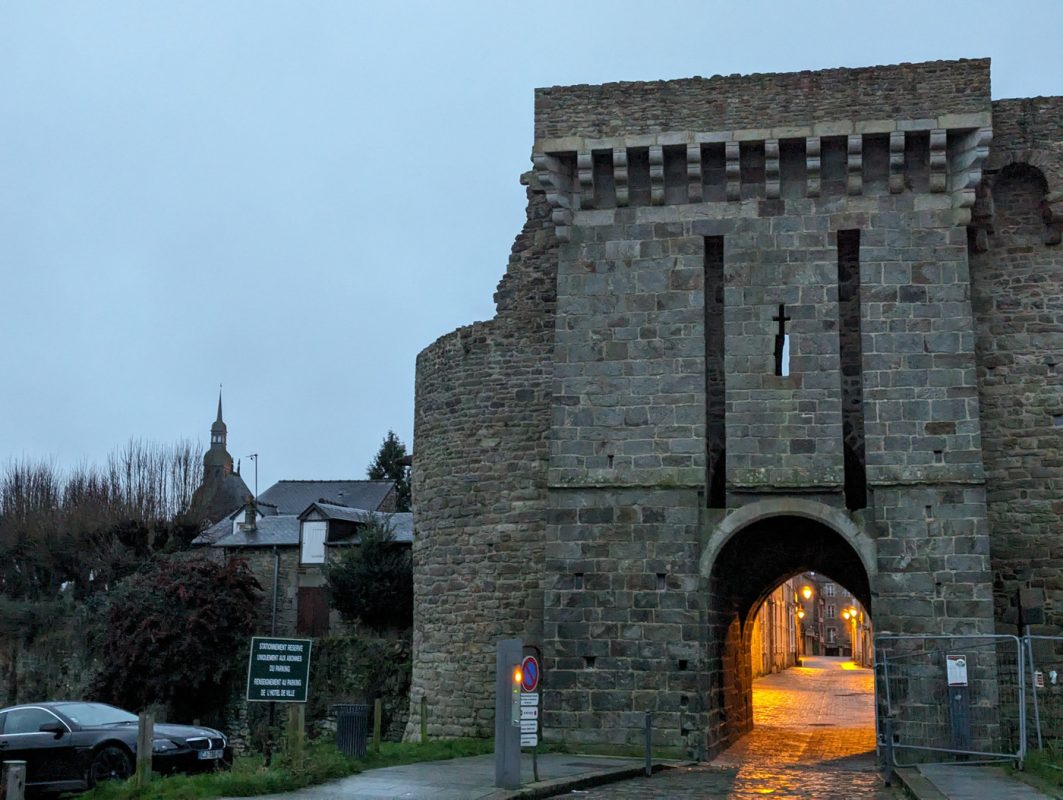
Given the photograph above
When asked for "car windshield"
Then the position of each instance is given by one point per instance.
(89, 715)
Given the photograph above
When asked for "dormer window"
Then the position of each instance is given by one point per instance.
(312, 536)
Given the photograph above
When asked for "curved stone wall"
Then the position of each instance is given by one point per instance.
(1018, 301)
(479, 488)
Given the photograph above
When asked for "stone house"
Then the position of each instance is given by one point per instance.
(775, 634)
(287, 532)
(288, 552)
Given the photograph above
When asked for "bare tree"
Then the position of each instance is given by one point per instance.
(93, 524)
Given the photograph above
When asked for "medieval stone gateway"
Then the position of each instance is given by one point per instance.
(752, 326)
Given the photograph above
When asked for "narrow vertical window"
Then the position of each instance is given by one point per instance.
(782, 343)
(715, 379)
(852, 369)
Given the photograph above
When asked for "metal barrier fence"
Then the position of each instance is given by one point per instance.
(1044, 706)
(959, 698)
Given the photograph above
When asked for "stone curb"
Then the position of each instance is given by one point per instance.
(550, 788)
(916, 785)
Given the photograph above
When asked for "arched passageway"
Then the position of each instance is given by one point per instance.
(748, 564)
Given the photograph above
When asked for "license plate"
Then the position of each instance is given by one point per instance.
(209, 755)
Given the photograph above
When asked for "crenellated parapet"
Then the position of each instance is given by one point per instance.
(937, 155)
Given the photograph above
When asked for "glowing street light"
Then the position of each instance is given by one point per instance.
(851, 614)
(806, 592)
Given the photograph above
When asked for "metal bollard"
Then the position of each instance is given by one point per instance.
(424, 718)
(887, 750)
(14, 784)
(378, 715)
(649, 745)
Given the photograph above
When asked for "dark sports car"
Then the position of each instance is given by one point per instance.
(68, 746)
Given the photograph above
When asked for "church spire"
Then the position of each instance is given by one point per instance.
(218, 430)
(221, 491)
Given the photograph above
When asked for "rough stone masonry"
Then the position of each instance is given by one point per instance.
(753, 325)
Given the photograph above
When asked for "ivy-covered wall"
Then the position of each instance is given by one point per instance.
(347, 668)
(45, 651)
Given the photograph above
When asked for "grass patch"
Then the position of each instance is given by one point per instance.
(1044, 770)
(322, 762)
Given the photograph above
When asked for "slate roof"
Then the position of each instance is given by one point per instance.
(282, 530)
(217, 530)
(279, 531)
(293, 497)
(401, 524)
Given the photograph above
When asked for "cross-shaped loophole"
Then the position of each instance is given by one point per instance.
(782, 343)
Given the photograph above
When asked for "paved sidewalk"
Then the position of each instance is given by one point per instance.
(964, 782)
(468, 779)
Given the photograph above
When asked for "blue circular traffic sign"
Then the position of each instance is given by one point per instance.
(529, 674)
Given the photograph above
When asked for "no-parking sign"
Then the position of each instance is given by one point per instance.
(529, 671)
(529, 701)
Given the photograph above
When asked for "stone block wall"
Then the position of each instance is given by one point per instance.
(934, 572)
(741, 102)
(629, 352)
(261, 561)
(1017, 279)
(479, 489)
(624, 618)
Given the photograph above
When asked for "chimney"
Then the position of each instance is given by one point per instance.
(250, 517)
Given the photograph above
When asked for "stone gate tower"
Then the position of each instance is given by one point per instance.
(736, 341)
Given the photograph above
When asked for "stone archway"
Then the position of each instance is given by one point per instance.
(747, 555)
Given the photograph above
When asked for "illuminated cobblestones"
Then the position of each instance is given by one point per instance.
(813, 740)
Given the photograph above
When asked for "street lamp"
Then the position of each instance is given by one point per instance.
(806, 592)
(850, 615)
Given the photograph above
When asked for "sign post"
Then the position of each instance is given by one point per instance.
(959, 701)
(508, 678)
(279, 670)
(531, 677)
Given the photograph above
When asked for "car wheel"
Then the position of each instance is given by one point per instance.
(110, 763)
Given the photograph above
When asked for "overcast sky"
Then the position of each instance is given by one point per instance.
(295, 198)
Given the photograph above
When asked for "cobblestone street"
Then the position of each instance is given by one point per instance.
(813, 738)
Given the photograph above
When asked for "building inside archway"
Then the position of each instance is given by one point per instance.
(809, 615)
